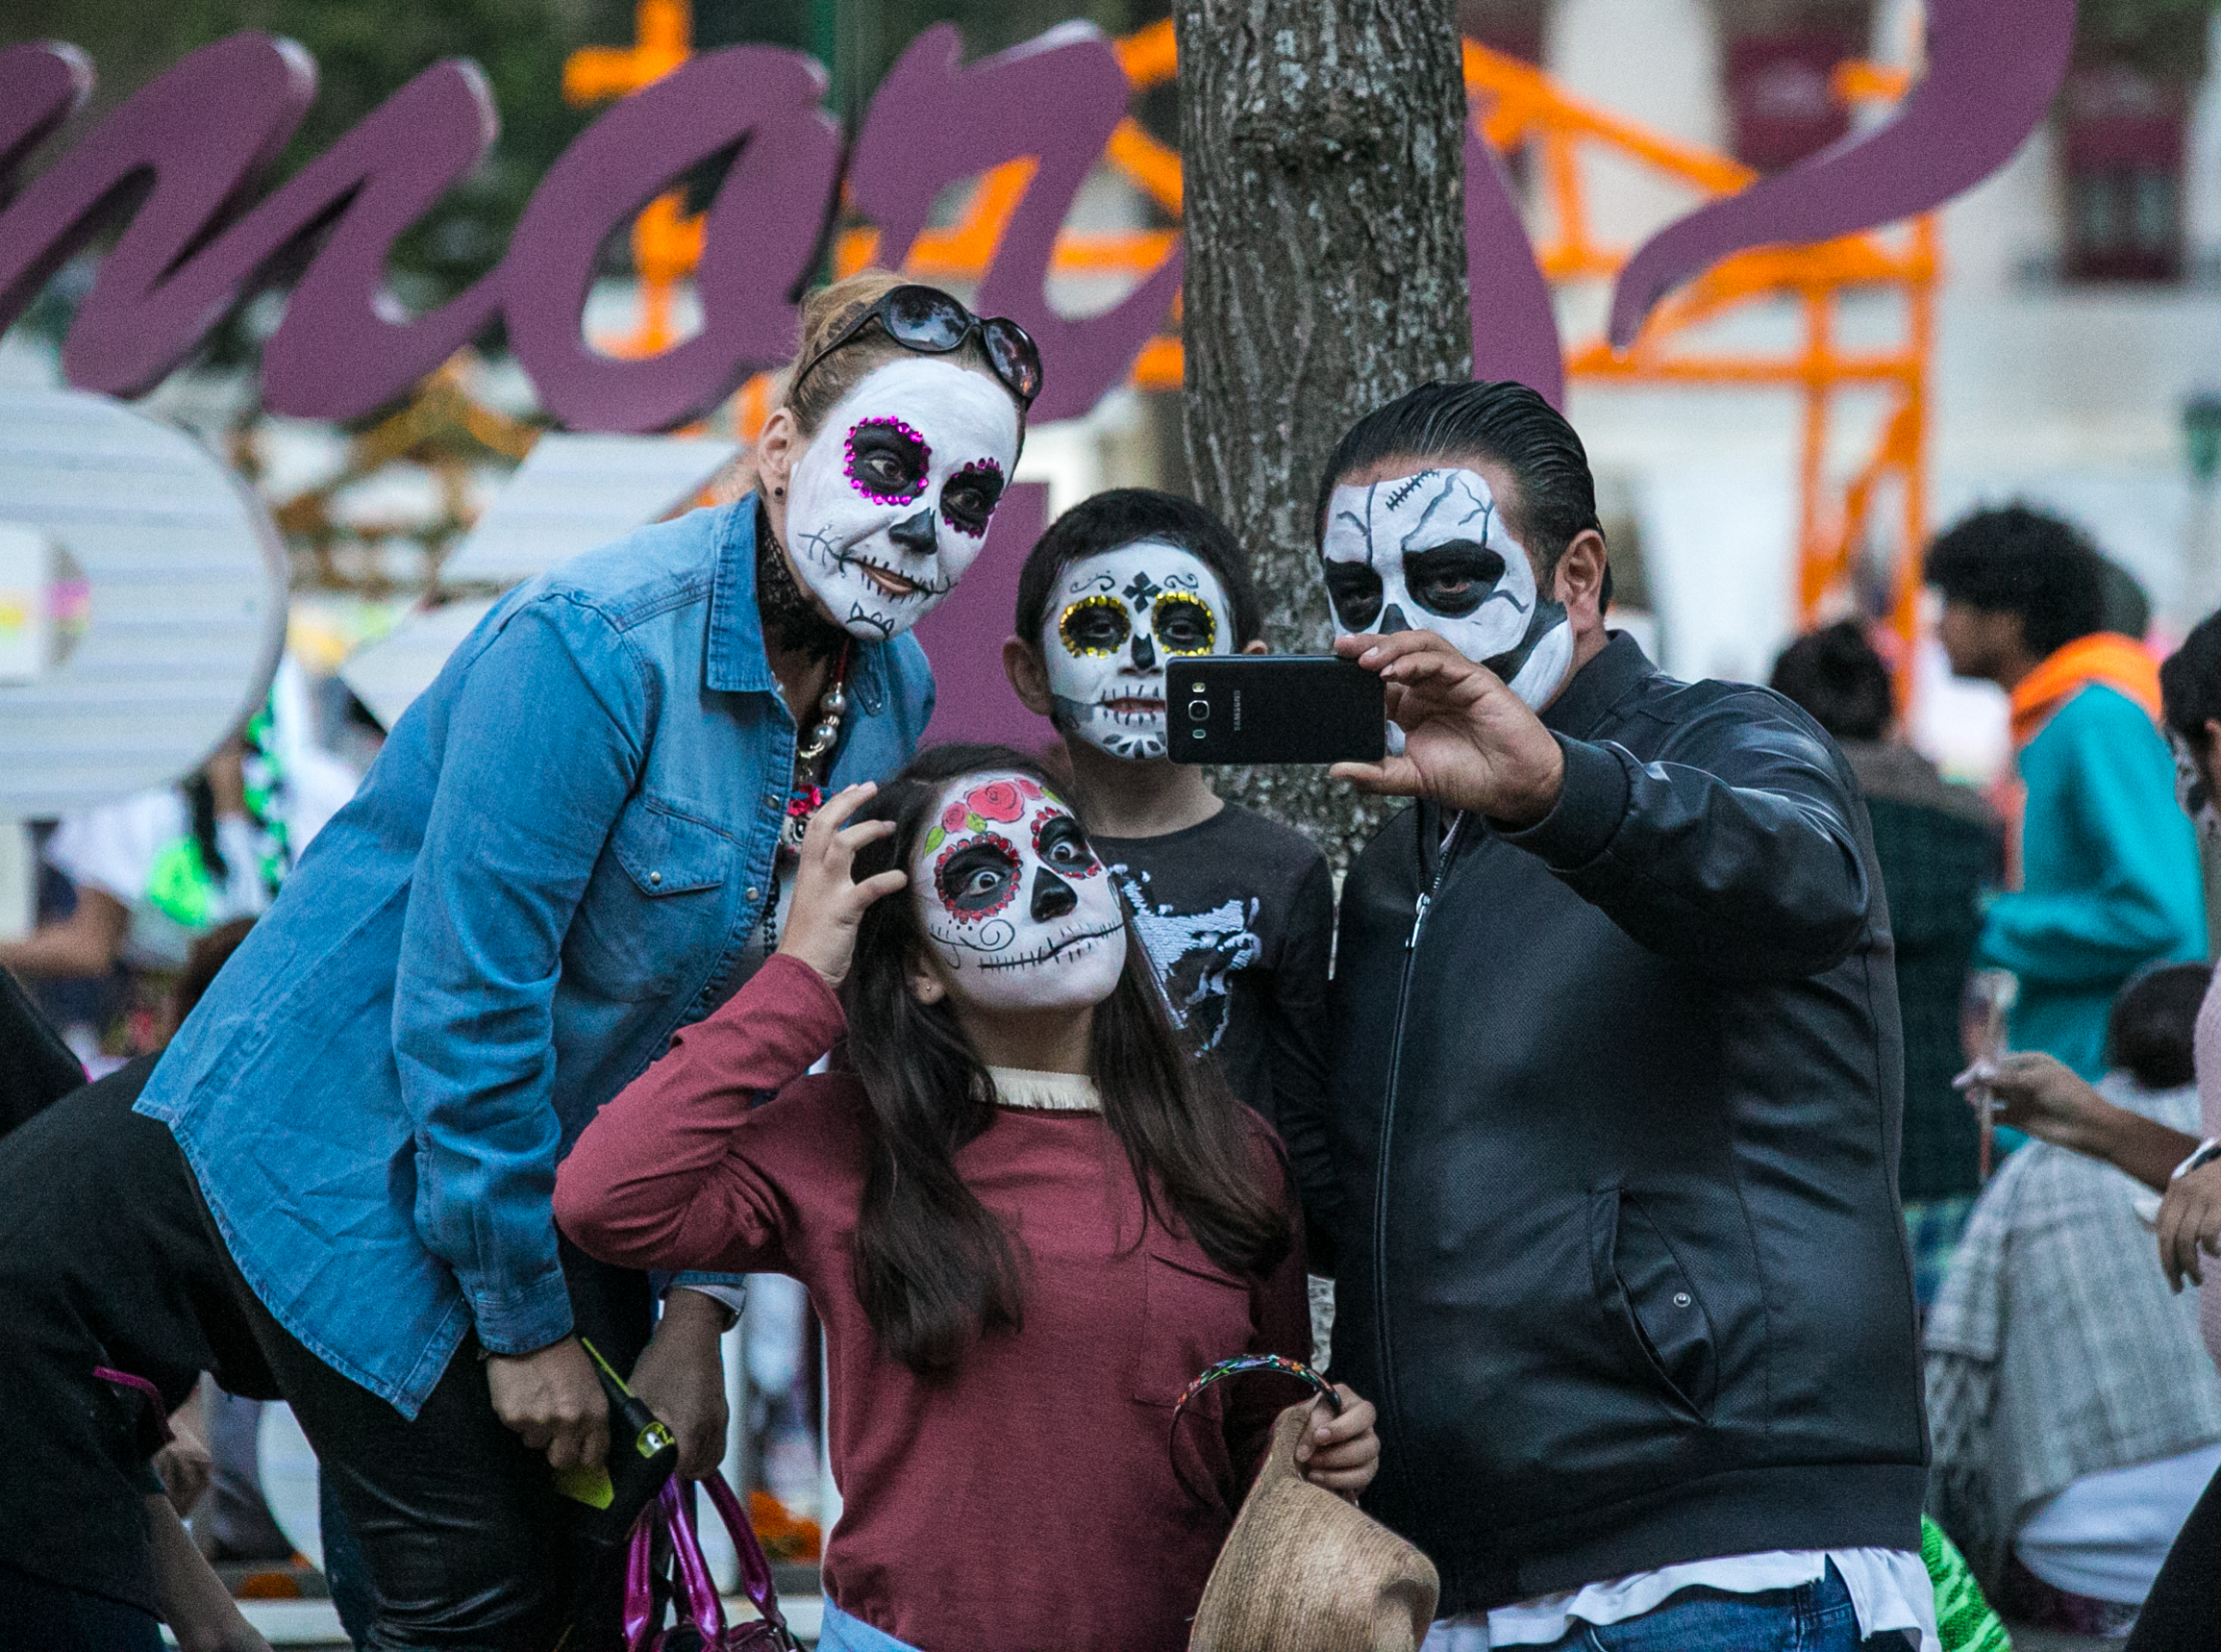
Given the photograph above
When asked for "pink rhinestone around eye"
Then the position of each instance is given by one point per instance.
(987, 465)
(848, 450)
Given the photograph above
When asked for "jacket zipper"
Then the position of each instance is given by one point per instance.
(1390, 1406)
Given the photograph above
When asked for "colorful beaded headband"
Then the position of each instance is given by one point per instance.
(1242, 1365)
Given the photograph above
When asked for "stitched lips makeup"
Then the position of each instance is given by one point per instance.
(890, 502)
(1020, 914)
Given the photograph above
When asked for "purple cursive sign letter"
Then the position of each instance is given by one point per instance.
(1993, 67)
(762, 230)
(1056, 100)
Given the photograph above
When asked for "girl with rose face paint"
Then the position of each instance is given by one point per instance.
(1026, 1218)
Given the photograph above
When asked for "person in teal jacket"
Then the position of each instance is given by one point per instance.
(2109, 877)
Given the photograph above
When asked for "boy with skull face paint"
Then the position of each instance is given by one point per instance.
(1237, 910)
(1618, 1075)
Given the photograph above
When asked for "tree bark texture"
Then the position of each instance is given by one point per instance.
(1322, 144)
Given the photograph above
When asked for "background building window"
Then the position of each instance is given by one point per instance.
(2122, 148)
(1780, 105)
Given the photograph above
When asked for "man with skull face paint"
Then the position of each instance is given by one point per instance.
(1617, 1090)
(1237, 910)
(566, 851)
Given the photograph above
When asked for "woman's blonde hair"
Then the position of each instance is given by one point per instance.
(825, 311)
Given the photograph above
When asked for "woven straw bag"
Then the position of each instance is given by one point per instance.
(1304, 1572)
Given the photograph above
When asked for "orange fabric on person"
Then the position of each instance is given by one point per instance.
(2120, 662)
(2105, 657)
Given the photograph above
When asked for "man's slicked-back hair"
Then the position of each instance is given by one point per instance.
(1501, 420)
(1123, 516)
(2012, 560)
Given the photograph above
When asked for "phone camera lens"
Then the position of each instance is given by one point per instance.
(1198, 710)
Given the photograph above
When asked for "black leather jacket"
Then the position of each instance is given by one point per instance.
(1616, 1109)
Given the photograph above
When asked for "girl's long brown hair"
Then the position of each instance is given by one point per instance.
(934, 1268)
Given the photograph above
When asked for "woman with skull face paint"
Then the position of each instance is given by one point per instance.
(566, 849)
(1026, 1218)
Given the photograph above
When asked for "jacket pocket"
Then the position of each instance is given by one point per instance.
(651, 919)
(1192, 1316)
(1650, 1301)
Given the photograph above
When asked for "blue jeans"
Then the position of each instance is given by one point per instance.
(1815, 1617)
(845, 1634)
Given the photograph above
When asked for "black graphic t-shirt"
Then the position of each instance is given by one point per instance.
(1238, 913)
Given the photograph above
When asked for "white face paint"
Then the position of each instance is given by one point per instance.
(1430, 551)
(2191, 791)
(1114, 618)
(1022, 914)
(891, 501)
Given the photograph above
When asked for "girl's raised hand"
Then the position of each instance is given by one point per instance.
(1340, 1453)
(828, 900)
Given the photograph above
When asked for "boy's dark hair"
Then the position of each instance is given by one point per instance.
(2190, 681)
(1836, 675)
(2153, 1022)
(1120, 517)
(2012, 560)
(1500, 419)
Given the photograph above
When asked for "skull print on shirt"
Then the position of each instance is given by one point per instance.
(1430, 551)
(891, 499)
(1118, 617)
(1019, 912)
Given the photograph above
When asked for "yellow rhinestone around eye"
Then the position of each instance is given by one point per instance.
(1100, 599)
(1204, 615)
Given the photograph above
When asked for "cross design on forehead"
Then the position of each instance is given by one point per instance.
(1142, 590)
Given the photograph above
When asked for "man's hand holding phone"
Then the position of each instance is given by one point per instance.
(1469, 742)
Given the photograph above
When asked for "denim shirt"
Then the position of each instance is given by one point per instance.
(556, 861)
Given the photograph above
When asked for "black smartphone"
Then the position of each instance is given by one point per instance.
(1273, 708)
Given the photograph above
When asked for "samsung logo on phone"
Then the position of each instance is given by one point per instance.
(1237, 711)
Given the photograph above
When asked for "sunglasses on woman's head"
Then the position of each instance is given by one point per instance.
(929, 321)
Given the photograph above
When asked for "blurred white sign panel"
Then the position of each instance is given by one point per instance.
(182, 602)
(574, 493)
(27, 571)
(570, 494)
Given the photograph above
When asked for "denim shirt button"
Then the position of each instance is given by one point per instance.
(654, 880)
(754, 894)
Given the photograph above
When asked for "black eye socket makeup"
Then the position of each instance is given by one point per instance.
(1095, 625)
(1184, 624)
(888, 460)
(1354, 590)
(1060, 841)
(977, 879)
(1453, 578)
(968, 497)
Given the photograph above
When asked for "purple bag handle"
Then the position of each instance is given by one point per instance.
(671, 1512)
(755, 1565)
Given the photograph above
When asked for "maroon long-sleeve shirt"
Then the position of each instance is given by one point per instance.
(1029, 1500)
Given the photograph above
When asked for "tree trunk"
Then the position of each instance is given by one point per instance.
(1323, 150)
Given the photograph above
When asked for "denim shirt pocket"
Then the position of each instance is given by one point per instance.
(654, 916)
